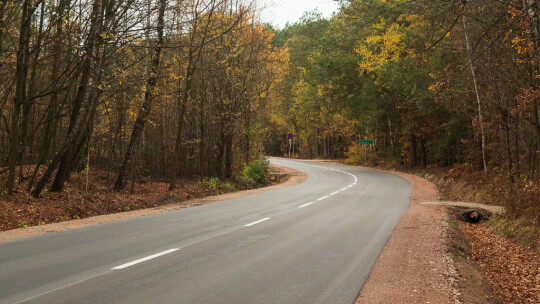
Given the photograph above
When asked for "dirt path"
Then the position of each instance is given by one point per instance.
(295, 177)
(414, 266)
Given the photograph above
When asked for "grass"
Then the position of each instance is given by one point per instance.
(444, 195)
(518, 229)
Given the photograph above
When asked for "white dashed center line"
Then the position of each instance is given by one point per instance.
(257, 222)
(305, 205)
(145, 259)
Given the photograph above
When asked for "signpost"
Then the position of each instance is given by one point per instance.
(365, 142)
(290, 136)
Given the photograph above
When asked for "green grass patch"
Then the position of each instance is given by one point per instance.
(520, 230)
(444, 195)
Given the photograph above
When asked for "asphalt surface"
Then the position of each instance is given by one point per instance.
(315, 242)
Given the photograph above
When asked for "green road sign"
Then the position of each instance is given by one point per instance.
(366, 142)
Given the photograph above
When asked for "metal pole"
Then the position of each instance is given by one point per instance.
(365, 155)
(290, 146)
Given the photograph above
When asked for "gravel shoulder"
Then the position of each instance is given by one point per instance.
(294, 177)
(414, 266)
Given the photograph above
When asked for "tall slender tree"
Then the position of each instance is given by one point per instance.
(146, 106)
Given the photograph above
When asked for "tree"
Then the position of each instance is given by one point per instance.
(147, 103)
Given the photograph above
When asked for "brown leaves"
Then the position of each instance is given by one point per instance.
(513, 271)
(23, 210)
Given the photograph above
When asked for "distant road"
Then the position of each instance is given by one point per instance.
(315, 242)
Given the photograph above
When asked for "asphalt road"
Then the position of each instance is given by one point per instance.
(315, 242)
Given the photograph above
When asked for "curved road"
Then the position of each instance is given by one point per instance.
(315, 242)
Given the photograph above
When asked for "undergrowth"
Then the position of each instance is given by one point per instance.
(257, 171)
(521, 230)
(521, 199)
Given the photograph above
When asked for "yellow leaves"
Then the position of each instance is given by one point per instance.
(378, 50)
(389, 41)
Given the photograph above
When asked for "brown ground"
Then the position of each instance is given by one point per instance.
(513, 270)
(472, 284)
(156, 200)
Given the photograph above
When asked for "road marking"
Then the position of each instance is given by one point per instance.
(62, 287)
(334, 193)
(305, 205)
(324, 197)
(257, 222)
(145, 259)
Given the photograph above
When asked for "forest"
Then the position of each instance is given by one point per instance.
(187, 89)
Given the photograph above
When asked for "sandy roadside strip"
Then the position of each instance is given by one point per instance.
(296, 177)
(414, 266)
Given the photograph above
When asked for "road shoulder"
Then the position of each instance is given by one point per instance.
(295, 177)
(414, 266)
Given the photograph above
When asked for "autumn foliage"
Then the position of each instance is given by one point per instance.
(450, 84)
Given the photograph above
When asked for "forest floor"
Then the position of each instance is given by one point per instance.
(22, 215)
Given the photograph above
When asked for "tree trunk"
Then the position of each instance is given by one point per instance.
(84, 110)
(202, 151)
(27, 106)
(21, 74)
(517, 170)
(530, 8)
(506, 118)
(193, 59)
(3, 5)
(51, 126)
(247, 138)
(478, 104)
(414, 161)
(535, 163)
(83, 105)
(138, 128)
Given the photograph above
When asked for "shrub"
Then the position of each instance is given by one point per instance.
(227, 186)
(257, 171)
(355, 155)
(210, 184)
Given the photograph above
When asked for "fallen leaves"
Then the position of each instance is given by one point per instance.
(21, 210)
(513, 271)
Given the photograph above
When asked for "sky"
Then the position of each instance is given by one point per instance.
(278, 12)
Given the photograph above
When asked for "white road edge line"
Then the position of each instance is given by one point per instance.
(334, 193)
(324, 197)
(62, 287)
(305, 205)
(145, 259)
(257, 222)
